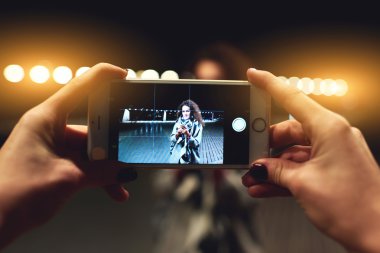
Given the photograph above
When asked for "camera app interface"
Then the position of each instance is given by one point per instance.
(179, 123)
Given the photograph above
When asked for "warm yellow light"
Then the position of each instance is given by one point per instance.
(62, 74)
(169, 75)
(39, 74)
(131, 74)
(317, 86)
(139, 73)
(293, 81)
(328, 87)
(284, 79)
(81, 70)
(150, 74)
(342, 87)
(306, 85)
(14, 73)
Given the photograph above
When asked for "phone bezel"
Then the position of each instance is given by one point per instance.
(98, 122)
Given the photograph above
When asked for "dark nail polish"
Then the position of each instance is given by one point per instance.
(126, 175)
(259, 172)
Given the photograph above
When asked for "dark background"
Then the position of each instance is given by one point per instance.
(325, 39)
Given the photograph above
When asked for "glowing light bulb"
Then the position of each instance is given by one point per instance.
(62, 74)
(328, 87)
(131, 74)
(169, 75)
(81, 70)
(150, 74)
(39, 74)
(293, 81)
(14, 73)
(284, 79)
(306, 85)
(317, 86)
(342, 87)
(139, 73)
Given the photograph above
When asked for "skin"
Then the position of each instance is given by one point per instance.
(329, 168)
(43, 162)
(185, 115)
(185, 112)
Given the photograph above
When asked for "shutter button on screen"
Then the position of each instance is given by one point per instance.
(239, 124)
(259, 125)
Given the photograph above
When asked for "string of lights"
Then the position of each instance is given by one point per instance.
(40, 74)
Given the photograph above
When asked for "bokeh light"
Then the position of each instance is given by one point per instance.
(169, 75)
(131, 74)
(150, 74)
(328, 87)
(306, 85)
(284, 79)
(342, 87)
(14, 73)
(293, 81)
(81, 70)
(62, 74)
(39, 74)
(317, 86)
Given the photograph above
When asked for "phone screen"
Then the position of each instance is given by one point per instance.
(162, 123)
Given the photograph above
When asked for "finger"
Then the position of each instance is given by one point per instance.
(304, 109)
(267, 191)
(259, 186)
(275, 171)
(76, 137)
(104, 172)
(66, 99)
(117, 192)
(287, 133)
(297, 154)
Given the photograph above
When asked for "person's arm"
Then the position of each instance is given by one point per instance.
(42, 163)
(196, 138)
(174, 135)
(329, 168)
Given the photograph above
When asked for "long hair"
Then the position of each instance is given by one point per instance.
(195, 112)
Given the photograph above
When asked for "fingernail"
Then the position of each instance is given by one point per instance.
(126, 175)
(259, 172)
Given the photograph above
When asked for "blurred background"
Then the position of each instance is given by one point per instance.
(327, 42)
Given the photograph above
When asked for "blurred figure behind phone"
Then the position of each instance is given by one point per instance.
(206, 210)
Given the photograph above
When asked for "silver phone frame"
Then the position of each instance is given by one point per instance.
(98, 123)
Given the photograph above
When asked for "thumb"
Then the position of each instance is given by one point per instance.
(270, 177)
(103, 173)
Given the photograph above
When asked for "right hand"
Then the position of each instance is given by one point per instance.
(329, 169)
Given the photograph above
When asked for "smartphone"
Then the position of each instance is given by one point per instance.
(184, 123)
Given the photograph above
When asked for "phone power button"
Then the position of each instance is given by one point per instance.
(259, 125)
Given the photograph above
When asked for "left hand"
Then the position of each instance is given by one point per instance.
(43, 162)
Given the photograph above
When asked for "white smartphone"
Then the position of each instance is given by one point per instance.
(185, 123)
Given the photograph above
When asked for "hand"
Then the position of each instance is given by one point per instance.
(329, 168)
(43, 162)
(185, 131)
(179, 132)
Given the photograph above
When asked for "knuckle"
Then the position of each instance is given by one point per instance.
(68, 175)
(339, 124)
(357, 132)
(278, 174)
